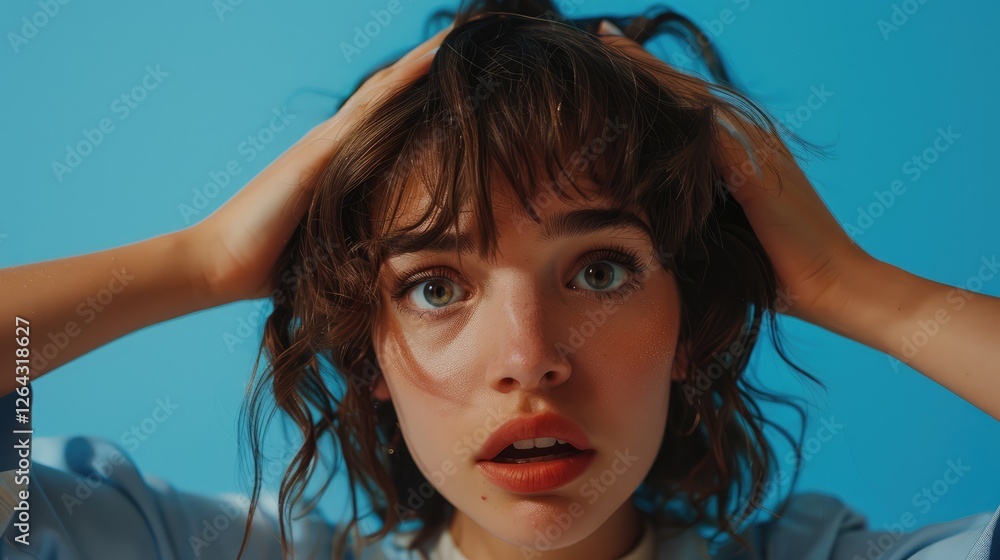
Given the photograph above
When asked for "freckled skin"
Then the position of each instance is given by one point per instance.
(455, 378)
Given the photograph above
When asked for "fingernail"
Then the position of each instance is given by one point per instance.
(609, 28)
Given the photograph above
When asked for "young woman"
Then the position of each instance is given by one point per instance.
(517, 281)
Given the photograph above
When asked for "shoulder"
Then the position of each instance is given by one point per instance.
(817, 526)
(86, 495)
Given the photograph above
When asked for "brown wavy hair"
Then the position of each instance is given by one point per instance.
(521, 89)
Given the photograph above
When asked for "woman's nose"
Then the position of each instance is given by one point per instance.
(525, 337)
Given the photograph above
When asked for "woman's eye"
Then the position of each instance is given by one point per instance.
(609, 274)
(602, 276)
(436, 293)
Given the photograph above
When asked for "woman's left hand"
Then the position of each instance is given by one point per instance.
(947, 334)
(813, 256)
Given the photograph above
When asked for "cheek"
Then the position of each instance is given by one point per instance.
(430, 392)
(637, 346)
(416, 364)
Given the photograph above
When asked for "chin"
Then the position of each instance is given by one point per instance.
(544, 523)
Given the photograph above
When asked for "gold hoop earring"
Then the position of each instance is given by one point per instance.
(391, 448)
(396, 438)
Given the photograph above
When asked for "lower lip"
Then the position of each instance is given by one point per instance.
(541, 476)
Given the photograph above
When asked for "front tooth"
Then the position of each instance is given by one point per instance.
(537, 442)
(560, 441)
(524, 444)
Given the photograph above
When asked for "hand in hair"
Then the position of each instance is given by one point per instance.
(828, 280)
(239, 243)
(805, 243)
(230, 255)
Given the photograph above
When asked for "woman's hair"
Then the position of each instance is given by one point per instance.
(521, 90)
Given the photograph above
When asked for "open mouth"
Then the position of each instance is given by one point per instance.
(511, 454)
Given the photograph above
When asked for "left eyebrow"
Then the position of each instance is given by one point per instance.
(576, 223)
(592, 220)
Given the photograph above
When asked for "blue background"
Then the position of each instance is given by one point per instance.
(228, 71)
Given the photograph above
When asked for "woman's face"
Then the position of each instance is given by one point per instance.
(561, 323)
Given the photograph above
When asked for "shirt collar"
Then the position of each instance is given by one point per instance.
(667, 543)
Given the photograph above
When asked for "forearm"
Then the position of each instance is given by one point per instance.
(948, 334)
(76, 304)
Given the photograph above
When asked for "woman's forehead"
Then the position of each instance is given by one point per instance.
(416, 201)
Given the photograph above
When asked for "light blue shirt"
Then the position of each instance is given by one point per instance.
(89, 500)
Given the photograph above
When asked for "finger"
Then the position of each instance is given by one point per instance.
(416, 62)
(627, 46)
(688, 87)
(423, 48)
(742, 162)
(400, 75)
(410, 66)
(413, 63)
(314, 147)
(616, 39)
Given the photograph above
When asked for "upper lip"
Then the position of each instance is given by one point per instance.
(542, 425)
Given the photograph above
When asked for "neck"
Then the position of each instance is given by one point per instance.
(615, 538)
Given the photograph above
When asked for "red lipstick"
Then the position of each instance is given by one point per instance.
(568, 461)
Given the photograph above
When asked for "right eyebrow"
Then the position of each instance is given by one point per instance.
(576, 223)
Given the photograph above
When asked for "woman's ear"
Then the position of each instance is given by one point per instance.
(380, 390)
(679, 371)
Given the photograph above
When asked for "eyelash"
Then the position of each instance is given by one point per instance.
(618, 254)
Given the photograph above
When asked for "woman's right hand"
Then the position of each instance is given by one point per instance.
(236, 247)
(228, 256)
